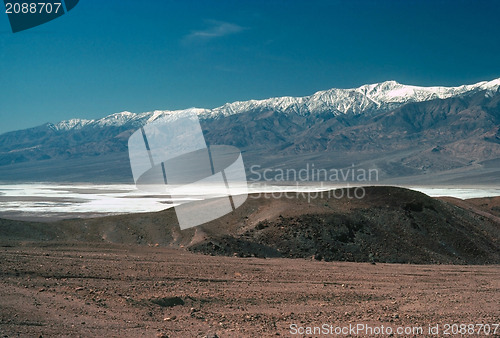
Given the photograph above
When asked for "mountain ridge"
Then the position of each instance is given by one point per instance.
(439, 140)
(378, 96)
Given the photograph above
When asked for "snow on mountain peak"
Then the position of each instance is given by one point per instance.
(492, 85)
(366, 98)
(116, 119)
(71, 124)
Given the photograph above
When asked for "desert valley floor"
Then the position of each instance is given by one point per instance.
(397, 259)
(129, 291)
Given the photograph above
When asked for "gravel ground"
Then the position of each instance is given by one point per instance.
(108, 290)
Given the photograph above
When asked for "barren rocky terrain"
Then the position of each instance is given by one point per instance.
(269, 265)
(139, 291)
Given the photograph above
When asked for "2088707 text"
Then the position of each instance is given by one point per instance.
(32, 7)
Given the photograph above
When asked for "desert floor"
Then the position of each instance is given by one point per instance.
(129, 291)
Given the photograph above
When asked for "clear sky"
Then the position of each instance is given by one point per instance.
(107, 56)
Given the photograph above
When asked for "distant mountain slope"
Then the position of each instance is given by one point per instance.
(367, 98)
(400, 130)
(388, 225)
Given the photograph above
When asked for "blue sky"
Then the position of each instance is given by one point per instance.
(109, 56)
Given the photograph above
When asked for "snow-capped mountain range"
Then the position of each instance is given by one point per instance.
(368, 98)
(404, 131)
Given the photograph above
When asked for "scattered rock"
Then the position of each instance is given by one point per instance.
(167, 301)
(211, 335)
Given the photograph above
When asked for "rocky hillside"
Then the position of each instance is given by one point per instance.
(388, 225)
